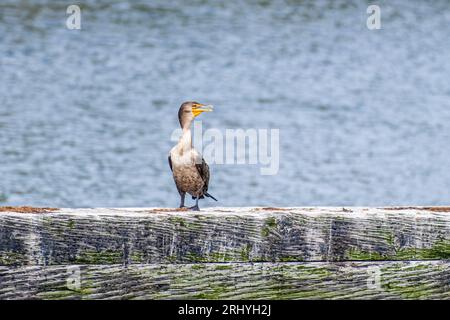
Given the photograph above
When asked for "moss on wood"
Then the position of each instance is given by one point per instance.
(99, 257)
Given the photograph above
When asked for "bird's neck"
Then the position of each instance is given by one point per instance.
(185, 142)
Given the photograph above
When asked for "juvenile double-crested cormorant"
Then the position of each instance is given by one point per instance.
(190, 171)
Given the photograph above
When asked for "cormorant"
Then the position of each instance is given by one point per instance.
(190, 171)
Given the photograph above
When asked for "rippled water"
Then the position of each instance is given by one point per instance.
(86, 116)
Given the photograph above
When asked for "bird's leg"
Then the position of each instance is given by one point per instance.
(195, 208)
(182, 195)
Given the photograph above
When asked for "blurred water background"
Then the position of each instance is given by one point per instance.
(86, 115)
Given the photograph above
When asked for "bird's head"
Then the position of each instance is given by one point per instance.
(191, 109)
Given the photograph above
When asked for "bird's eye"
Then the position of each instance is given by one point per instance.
(187, 111)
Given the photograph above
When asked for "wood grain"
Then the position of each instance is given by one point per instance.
(149, 236)
(310, 280)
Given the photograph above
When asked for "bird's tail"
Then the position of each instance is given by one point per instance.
(210, 196)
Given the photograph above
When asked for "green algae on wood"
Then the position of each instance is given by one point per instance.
(440, 250)
(292, 280)
(269, 225)
(12, 258)
(99, 257)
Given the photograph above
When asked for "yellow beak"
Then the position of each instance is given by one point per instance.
(199, 108)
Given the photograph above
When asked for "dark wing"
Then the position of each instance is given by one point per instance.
(203, 170)
(170, 163)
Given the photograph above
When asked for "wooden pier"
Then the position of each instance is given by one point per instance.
(225, 253)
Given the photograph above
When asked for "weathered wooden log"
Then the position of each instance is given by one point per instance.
(284, 280)
(130, 236)
(225, 253)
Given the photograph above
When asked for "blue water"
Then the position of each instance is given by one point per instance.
(86, 115)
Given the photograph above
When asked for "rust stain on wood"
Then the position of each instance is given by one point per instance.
(272, 209)
(433, 209)
(26, 209)
(162, 210)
